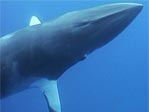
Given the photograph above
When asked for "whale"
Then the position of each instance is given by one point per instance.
(37, 55)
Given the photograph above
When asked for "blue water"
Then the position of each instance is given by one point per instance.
(112, 79)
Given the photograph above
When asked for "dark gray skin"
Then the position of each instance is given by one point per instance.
(49, 49)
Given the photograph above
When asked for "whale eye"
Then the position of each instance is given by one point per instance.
(83, 57)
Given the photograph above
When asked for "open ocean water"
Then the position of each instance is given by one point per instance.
(114, 78)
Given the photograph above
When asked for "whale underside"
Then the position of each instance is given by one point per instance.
(38, 55)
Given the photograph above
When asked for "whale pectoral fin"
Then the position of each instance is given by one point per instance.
(50, 90)
(52, 96)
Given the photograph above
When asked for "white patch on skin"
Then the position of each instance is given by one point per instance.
(3, 40)
(7, 36)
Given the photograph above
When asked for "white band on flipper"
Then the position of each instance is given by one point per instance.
(50, 90)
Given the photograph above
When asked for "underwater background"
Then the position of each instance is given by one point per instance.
(114, 78)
